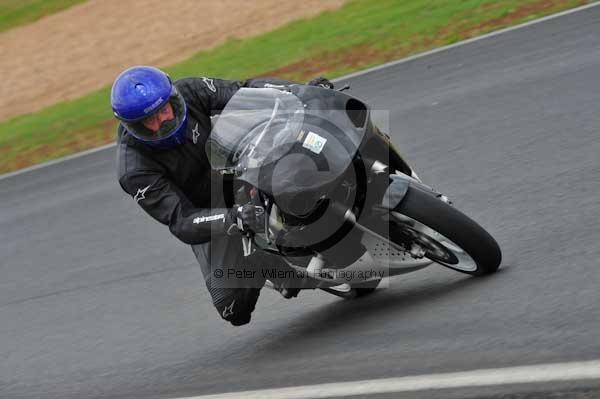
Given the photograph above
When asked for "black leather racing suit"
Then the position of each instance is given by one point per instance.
(178, 188)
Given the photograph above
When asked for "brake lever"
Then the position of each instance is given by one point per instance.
(247, 245)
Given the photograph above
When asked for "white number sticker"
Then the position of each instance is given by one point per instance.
(314, 142)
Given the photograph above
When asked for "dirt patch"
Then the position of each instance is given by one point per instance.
(357, 57)
(529, 10)
(68, 54)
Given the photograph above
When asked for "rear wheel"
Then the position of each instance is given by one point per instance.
(443, 234)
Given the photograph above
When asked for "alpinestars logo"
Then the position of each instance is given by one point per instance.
(210, 83)
(141, 194)
(196, 134)
(228, 311)
(212, 218)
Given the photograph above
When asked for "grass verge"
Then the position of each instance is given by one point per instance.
(20, 12)
(361, 34)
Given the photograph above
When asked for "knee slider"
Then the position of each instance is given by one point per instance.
(240, 320)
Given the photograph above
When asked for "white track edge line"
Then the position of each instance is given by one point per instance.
(467, 41)
(540, 373)
(342, 78)
(56, 161)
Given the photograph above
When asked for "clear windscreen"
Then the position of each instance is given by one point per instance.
(257, 126)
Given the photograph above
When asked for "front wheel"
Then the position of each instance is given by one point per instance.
(443, 234)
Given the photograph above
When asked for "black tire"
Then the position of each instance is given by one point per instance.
(441, 217)
(356, 291)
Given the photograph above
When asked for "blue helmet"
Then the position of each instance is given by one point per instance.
(138, 94)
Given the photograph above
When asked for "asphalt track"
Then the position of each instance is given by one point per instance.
(97, 300)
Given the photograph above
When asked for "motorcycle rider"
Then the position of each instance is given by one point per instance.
(162, 164)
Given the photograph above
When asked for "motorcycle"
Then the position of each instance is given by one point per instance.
(339, 203)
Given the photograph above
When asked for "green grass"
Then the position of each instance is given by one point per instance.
(361, 34)
(20, 12)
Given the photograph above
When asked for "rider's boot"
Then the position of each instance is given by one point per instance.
(282, 285)
(288, 293)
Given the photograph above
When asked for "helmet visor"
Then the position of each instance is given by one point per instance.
(162, 123)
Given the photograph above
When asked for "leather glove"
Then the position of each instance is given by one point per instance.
(321, 82)
(249, 218)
